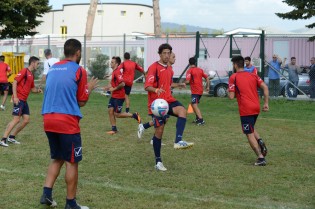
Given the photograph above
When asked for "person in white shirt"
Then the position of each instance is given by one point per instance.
(50, 61)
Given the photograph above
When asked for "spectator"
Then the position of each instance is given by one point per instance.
(312, 78)
(293, 71)
(274, 76)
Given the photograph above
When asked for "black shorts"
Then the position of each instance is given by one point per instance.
(4, 87)
(172, 105)
(65, 147)
(117, 104)
(21, 109)
(127, 89)
(248, 123)
(195, 98)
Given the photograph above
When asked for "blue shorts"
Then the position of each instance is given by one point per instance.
(171, 106)
(117, 104)
(127, 89)
(4, 86)
(21, 109)
(195, 98)
(248, 123)
(65, 147)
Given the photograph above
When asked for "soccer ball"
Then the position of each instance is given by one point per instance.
(211, 74)
(159, 107)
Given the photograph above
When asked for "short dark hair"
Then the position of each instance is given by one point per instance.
(127, 55)
(32, 59)
(293, 58)
(117, 59)
(239, 61)
(192, 61)
(247, 58)
(2, 58)
(71, 46)
(47, 52)
(164, 46)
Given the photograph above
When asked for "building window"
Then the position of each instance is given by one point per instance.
(123, 13)
(141, 14)
(63, 30)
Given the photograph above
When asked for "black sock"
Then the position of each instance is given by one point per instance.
(127, 109)
(12, 137)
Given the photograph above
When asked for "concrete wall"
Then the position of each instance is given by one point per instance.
(112, 22)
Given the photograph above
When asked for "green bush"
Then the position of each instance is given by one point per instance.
(100, 66)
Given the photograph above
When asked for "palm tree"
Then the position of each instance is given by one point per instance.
(90, 19)
(157, 17)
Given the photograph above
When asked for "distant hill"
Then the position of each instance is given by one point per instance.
(174, 27)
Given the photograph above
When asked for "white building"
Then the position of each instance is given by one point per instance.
(111, 19)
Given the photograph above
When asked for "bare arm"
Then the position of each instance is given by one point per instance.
(231, 95)
(14, 91)
(92, 84)
(264, 87)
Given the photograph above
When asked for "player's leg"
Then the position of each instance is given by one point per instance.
(5, 89)
(159, 124)
(112, 105)
(178, 110)
(194, 103)
(20, 126)
(127, 93)
(119, 114)
(53, 168)
(248, 126)
(17, 112)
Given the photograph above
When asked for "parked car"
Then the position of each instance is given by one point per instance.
(219, 84)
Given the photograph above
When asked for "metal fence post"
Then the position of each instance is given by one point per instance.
(262, 54)
(197, 47)
(124, 46)
(231, 45)
(48, 41)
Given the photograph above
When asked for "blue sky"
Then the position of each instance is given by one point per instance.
(218, 14)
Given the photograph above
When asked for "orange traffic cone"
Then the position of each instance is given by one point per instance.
(190, 109)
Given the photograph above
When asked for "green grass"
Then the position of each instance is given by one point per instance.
(118, 171)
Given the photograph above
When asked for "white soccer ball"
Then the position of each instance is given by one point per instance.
(211, 74)
(159, 107)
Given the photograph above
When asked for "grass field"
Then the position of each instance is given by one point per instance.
(117, 171)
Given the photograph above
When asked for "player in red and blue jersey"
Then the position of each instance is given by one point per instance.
(244, 86)
(4, 85)
(194, 76)
(118, 97)
(128, 69)
(66, 91)
(22, 85)
(158, 85)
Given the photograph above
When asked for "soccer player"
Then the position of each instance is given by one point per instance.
(194, 76)
(158, 85)
(4, 85)
(149, 124)
(249, 67)
(244, 85)
(118, 97)
(129, 68)
(50, 61)
(22, 85)
(67, 90)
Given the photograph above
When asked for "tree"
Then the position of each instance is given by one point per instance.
(302, 10)
(100, 66)
(157, 17)
(90, 19)
(19, 18)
